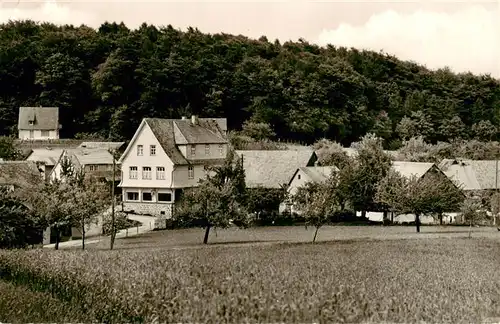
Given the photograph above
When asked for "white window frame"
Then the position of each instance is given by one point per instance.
(160, 173)
(44, 133)
(152, 150)
(190, 172)
(93, 167)
(32, 133)
(132, 192)
(193, 150)
(132, 172)
(207, 149)
(146, 174)
(221, 149)
(140, 150)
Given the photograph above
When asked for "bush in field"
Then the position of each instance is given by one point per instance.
(121, 222)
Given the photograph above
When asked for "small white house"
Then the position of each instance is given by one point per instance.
(302, 176)
(38, 123)
(166, 156)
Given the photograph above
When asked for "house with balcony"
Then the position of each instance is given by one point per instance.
(38, 123)
(166, 156)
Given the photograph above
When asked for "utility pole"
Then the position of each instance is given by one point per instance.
(113, 201)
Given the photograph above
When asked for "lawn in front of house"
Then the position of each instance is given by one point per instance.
(193, 237)
(411, 280)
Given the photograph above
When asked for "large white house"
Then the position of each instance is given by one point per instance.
(38, 123)
(166, 156)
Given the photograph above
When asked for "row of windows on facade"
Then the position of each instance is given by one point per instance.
(44, 133)
(152, 150)
(160, 173)
(148, 196)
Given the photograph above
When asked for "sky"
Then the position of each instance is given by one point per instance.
(462, 35)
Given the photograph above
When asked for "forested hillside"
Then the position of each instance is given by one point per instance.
(105, 81)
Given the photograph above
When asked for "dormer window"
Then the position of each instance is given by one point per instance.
(32, 122)
(193, 150)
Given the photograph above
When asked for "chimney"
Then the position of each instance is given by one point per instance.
(194, 119)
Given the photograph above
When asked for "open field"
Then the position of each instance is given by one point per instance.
(433, 280)
(191, 238)
(19, 304)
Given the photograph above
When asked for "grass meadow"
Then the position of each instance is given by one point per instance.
(443, 277)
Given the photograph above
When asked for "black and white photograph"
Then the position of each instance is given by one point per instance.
(249, 161)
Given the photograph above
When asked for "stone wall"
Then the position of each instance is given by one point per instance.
(161, 212)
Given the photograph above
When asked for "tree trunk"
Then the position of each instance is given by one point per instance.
(207, 231)
(392, 217)
(470, 228)
(417, 222)
(58, 238)
(363, 214)
(384, 218)
(83, 236)
(315, 234)
(440, 219)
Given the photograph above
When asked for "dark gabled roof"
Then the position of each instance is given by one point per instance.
(205, 131)
(172, 132)
(19, 173)
(272, 169)
(44, 118)
(163, 130)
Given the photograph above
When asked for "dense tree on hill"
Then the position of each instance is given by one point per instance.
(106, 80)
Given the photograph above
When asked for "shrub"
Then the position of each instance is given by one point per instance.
(121, 222)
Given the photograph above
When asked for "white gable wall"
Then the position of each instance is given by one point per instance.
(299, 180)
(145, 137)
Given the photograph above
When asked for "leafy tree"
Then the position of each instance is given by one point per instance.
(418, 124)
(331, 154)
(218, 201)
(257, 131)
(415, 149)
(453, 128)
(88, 200)
(472, 213)
(8, 150)
(51, 201)
(383, 126)
(371, 166)
(484, 130)
(407, 128)
(106, 80)
(419, 196)
(18, 227)
(264, 201)
(318, 201)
